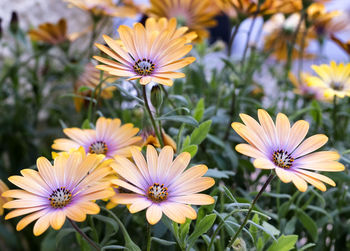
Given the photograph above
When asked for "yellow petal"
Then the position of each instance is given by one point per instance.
(153, 214)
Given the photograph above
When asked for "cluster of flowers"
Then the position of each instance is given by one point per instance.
(107, 162)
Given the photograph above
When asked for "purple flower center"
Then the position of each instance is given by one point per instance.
(157, 193)
(144, 67)
(60, 197)
(282, 159)
(98, 147)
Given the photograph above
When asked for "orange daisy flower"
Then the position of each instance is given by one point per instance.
(146, 54)
(162, 185)
(280, 147)
(66, 189)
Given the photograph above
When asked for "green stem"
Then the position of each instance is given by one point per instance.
(75, 226)
(149, 235)
(160, 139)
(232, 39)
(334, 117)
(270, 178)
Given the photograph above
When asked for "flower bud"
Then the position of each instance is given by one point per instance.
(14, 22)
(156, 96)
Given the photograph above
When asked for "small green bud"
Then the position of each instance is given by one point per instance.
(156, 96)
(14, 22)
(239, 245)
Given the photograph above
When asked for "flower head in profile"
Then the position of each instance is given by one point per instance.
(280, 31)
(90, 79)
(332, 80)
(66, 189)
(325, 23)
(110, 138)
(50, 33)
(197, 15)
(148, 54)
(149, 138)
(161, 184)
(301, 87)
(3, 200)
(280, 147)
(126, 8)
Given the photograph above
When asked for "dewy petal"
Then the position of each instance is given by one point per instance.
(317, 176)
(30, 218)
(320, 156)
(152, 159)
(141, 163)
(198, 185)
(269, 127)
(127, 186)
(178, 166)
(299, 182)
(329, 166)
(264, 163)
(194, 199)
(283, 129)
(310, 144)
(249, 151)
(139, 205)
(42, 224)
(154, 214)
(57, 219)
(45, 170)
(125, 198)
(74, 213)
(316, 183)
(28, 185)
(283, 175)
(22, 211)
(171, 210)
(189, 175)
(297, 134)
(165, 159)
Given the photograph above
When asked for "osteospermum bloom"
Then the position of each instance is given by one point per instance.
(66, 189)
(197, 15)
(3, 200)
(50, 33)
(109, 138)
(281, 147)
(126, 8)
(162, 185)
(332, 80)
(90, 78)
(150, 56)
(280, 31)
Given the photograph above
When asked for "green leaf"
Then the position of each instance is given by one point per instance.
(184, 229)
(201, 228)
(163, 242)
(219, 174)
(284, 243)
(200, 133)
(229, 194)
(308, 223)
(199, 110)
(66, 231)
(86, 124)
(191, 149)
(270, 228)
(309, 245)
(113, 247)
(179, 118)
(186, 142)
(107, 220)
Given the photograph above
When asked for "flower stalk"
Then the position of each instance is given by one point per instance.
(93, 244)
(269, 179)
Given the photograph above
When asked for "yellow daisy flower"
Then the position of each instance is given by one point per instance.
(244, 8)
(106, 7)
(332, 80)
(91, 78)
(66, 189)
(198, 15)
(109, 138)
(162, 185)
(3, 200)
(281, 147)
(146, 54)
(50, 33)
